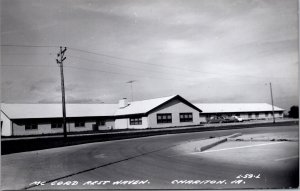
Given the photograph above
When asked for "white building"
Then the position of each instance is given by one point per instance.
(29, 119)
(157, 113)
(250, 111)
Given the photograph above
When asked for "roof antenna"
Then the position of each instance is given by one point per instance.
(130, 82)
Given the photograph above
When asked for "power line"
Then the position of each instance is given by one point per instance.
(33, 46)
(92, 70)
(126, 67)
(105, 55)
(27, 65)
(146, 63)
(168, 67)
(136, 61)
(118, 73)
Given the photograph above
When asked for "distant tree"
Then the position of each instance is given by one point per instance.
(294, 112)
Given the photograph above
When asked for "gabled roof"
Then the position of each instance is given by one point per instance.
(26, 111)
(146, 106)
(235, 107)
(32, 111)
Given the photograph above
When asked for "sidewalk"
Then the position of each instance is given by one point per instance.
(267, 137)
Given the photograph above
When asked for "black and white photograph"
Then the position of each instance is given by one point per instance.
(149, 94)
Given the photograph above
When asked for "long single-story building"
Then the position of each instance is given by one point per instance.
(29, 119)
(247, 111)
(35, 119)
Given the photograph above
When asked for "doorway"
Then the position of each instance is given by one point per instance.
(96, 127)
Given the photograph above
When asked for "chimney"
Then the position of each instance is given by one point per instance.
(123, 103)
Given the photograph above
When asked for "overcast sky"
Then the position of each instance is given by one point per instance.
(204, 50)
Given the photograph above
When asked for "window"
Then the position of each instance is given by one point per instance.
(79, 123)
(136, 121)
(100, 123)
(266, 114)
(249, 115)
(164, 118)
(56, 125)
(186, 117)
(31, 126)
(256, 114)
(238, 114)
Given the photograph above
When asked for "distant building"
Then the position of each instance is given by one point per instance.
(244, 110)
(35, 119)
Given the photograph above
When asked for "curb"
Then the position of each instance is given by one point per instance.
(208, 146)
(203, 148)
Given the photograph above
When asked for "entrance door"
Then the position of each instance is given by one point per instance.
(95, 127)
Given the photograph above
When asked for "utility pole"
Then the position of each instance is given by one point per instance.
(272, 102)
(130, 82)
(60, 59)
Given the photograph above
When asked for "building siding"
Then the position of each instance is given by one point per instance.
(175, 107)
(45, 128)
(6, 129)
(246, 115)
(124, 123)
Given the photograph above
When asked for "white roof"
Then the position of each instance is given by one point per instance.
(139, 107)
(24, 111)
(235, 107)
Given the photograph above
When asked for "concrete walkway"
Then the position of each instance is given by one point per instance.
(267, 137)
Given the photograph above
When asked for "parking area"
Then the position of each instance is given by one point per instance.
(166, 161)
(280, 154)
(261, 160)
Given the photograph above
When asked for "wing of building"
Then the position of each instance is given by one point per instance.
(243, 110)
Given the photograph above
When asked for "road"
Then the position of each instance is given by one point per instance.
(156, 163)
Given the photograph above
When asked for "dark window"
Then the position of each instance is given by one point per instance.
(280, 112)
(164, 118)
(31, 126)
(249, 115)
(256, 114)
(237, 114)
(266, 114)
(186, 117)
(136, 121)
(56, 125)
(100, 123)
(79, 123)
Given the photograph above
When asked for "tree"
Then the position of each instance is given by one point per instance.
(294, 112)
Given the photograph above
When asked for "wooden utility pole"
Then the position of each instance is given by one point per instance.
(272, 102)
(60, 59)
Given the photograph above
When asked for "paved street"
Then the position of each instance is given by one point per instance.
(159, 162)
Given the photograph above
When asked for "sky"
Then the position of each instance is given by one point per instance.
(207, 51)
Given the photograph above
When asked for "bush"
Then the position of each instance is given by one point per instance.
(294, 112)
